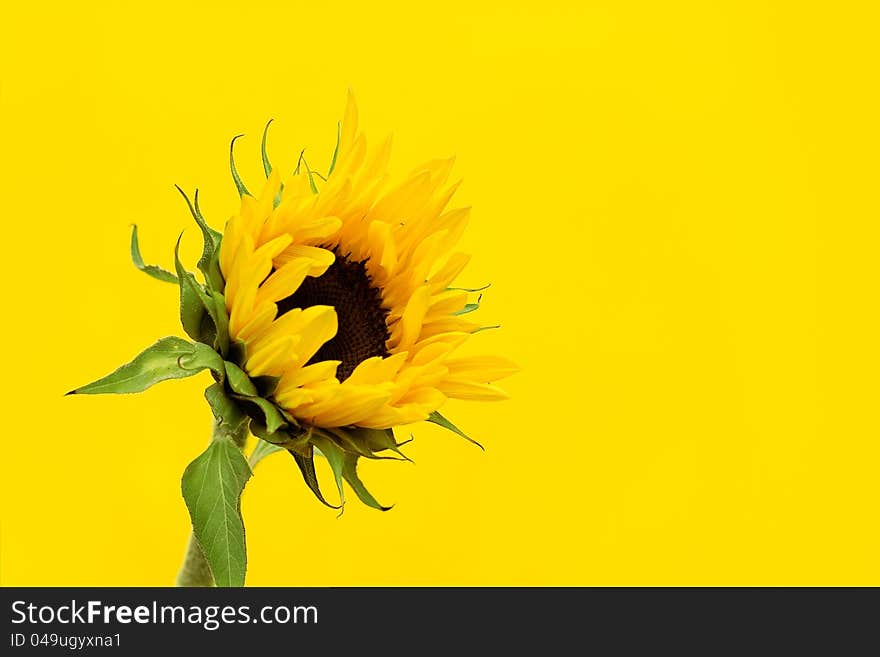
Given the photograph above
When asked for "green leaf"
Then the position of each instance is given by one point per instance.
(438, 419)
(261, 451)
(151, 270)
(212, 486)
(239, 185)
(267, 166)
(169, 358)
(207, 263)
(349, 472)
(306, 465)
(336, 149)
(225, 410)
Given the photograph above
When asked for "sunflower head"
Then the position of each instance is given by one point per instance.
(329, 307)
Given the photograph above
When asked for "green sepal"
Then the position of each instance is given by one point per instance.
(306, 463)
(202, 313)
(335, 457)
(227, 413)
(245, 391)
(381, 439)
(357, 440)
(169, 358)
(239, 382)
(207, 264)
(267, 166)
(336, 149)
(212, 485)
(151, 270)
(468, 308)
(239, 185)
(278, 437)
(261, 451)
(438, 419)
(265, 384)
(193, 310)
(309, 172)
(486, 328)
(469, 289)
(349, 472)
(217, 311)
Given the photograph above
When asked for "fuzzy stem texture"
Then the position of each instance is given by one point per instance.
(195, 570)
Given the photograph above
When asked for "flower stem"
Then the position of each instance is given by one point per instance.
(195, 570)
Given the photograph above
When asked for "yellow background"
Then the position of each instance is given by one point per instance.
(676, 203)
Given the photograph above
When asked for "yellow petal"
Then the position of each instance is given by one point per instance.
(453, 267)
(480, 368)
(272, 358)
(284, 281)
(410, 325)
(472, 391)
(320, 259)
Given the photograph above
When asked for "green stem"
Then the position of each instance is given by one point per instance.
(195, 570)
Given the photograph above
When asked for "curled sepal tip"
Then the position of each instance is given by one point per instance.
(239, 185)
(267, 166)
(208, 264)
(151, 270)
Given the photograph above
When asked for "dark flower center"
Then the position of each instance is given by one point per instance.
(362, 331)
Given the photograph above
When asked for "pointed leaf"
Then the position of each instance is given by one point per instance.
(306, 465)
(151, 270)
(239, 185)
(169, 358)
(349, 471)
(436, 418)
(212, 486)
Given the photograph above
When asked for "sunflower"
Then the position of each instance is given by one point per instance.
(339, 288)
(327, 318)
